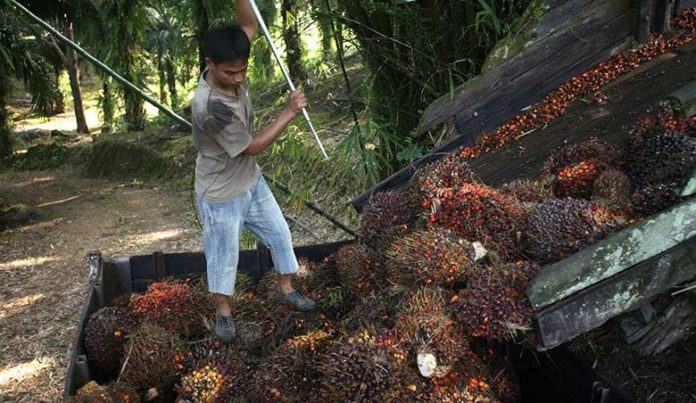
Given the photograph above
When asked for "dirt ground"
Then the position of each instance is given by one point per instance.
(43, 271)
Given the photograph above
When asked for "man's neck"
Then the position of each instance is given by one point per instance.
(211, 82)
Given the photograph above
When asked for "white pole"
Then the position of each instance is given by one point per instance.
(267, 34)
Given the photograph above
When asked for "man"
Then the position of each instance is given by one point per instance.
(230, 190)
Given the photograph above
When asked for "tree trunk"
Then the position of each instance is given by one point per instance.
(128, 51)
(321, 14)
(202, 23)
(171, 82)
(74, 76)
(161, 78)
(108, 108)
(293, 44)
(6, 147)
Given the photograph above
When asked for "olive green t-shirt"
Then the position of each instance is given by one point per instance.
(222, 130)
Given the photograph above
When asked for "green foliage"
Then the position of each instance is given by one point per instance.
(125, 160)
(42, 156)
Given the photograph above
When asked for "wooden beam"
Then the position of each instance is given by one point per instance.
(672, 324)
(684, 99)
(682, 5)
(628, 290)
(613, 255)
(644, 10)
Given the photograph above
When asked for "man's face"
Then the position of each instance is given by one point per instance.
(228, 75)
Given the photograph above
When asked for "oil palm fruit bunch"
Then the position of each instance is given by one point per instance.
(556, 229)
(651, 199)
(662, 158)
(289, 373)
(424, 327)
(434, 256)
(152, 358)
(105, 336)
(448, 172)
(612, 189)
(530, 190)
(467, 382)
(504, 380)
(357, 270)
(378, 310)
(576, 180)
(494, 304)
(171, 305)
(479, 213)
(116, 392)
(382, 211)
(362, 368)
(592, 149)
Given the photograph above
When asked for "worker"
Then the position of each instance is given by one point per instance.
(231, 192)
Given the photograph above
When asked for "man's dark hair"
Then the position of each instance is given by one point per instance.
(226, 43)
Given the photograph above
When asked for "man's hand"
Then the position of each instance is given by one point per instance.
(297, 101)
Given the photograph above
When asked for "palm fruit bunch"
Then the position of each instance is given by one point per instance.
(651, 199)
(378, 310)
(662, 158)
(467, 382)
(530, 190)
(575, 167)
(435, 256)
(152, 358)
(612, 189)
(362, 368)
(289, 374)
(105, 336)
(382, 211)
(479, 213)
(494, 303)
(357, 269)
(423, 326)
(435, 178)
(171, 305)
(504, 379)
(556, 229)
(116, 392)
(658, 119)
(216, 374)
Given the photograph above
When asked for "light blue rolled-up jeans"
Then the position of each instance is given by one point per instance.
(256, 209)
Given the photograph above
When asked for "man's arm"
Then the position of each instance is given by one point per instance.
(270, 133)
(246, 18)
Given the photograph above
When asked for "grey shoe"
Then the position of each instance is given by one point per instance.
(297, 300)
(224, 328)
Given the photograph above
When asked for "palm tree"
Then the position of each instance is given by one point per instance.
(293, 44)
(20, 59)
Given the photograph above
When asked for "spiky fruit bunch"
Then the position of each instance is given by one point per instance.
(357, 269)
(652, 199)
(151, 358)
(576, 180)
(530, 191)
(215, 373)
(558, 228)
(448, 172)
(105, 336)
(480, 213)
(504, 379)
(660, 119)
(382, 211)
(171, 305)
(289, 374)
(663, 157)
(494, 303)
(467, 382)
(612, 189)
(115, 392)
(363, 368)
(592, 149)
(377, 310)
(423, 325)
(435, 256)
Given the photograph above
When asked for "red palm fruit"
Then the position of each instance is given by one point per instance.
(668, 157)
(435, 256)
(576, 180)
(385, 210)
(448, 172)
(592, 149)
(357, 269)
(558, 228)
(105, 336)
(479, 213)
(530, 191)
(494, 303)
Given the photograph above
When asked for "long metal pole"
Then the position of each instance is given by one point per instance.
(267, 34)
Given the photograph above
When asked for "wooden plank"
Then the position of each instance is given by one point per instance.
(670, 325)
(628, 290)
(682, 5)
(684, 99)
(663, 15)
(613, 255)
(644, 10)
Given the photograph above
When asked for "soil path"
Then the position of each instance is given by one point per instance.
(43, 271)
